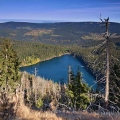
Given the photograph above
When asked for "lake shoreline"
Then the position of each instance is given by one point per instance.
(76, 56)
(85, 64)
(56, 69)
(46, 59)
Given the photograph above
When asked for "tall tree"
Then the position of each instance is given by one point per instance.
(78, 91)
(9, 65)
(108, 62)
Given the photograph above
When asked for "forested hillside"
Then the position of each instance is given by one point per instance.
(33, 52)
(82, 33)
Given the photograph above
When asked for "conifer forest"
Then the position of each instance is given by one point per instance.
(25, 96)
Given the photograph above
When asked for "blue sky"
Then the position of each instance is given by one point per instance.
(60, 10)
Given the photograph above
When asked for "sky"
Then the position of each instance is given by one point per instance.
(59, 10)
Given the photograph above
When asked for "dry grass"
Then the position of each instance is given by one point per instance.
(24, 113)
(78, 116)
(86, 116)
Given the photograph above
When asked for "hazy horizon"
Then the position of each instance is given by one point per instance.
(60, 10)
(41, 21)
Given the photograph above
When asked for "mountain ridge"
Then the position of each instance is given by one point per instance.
(82, 33)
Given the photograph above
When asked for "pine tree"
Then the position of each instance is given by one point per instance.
(78, 91)
(9, 65)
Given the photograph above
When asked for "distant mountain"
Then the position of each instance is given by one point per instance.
(30, 21)
(82, 33)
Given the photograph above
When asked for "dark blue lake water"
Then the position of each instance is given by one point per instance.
(57, 69)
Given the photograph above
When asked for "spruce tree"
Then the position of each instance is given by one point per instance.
(9, 65)
(78, 91)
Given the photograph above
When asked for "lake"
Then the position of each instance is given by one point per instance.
(57, 69)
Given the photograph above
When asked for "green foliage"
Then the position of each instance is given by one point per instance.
(33, 52)
(39, 103)
(78, 91)
(9, 63)
(115, 84)
(30, 60)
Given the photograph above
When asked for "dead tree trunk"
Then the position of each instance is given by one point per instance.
(108, 63)
(69, 75)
